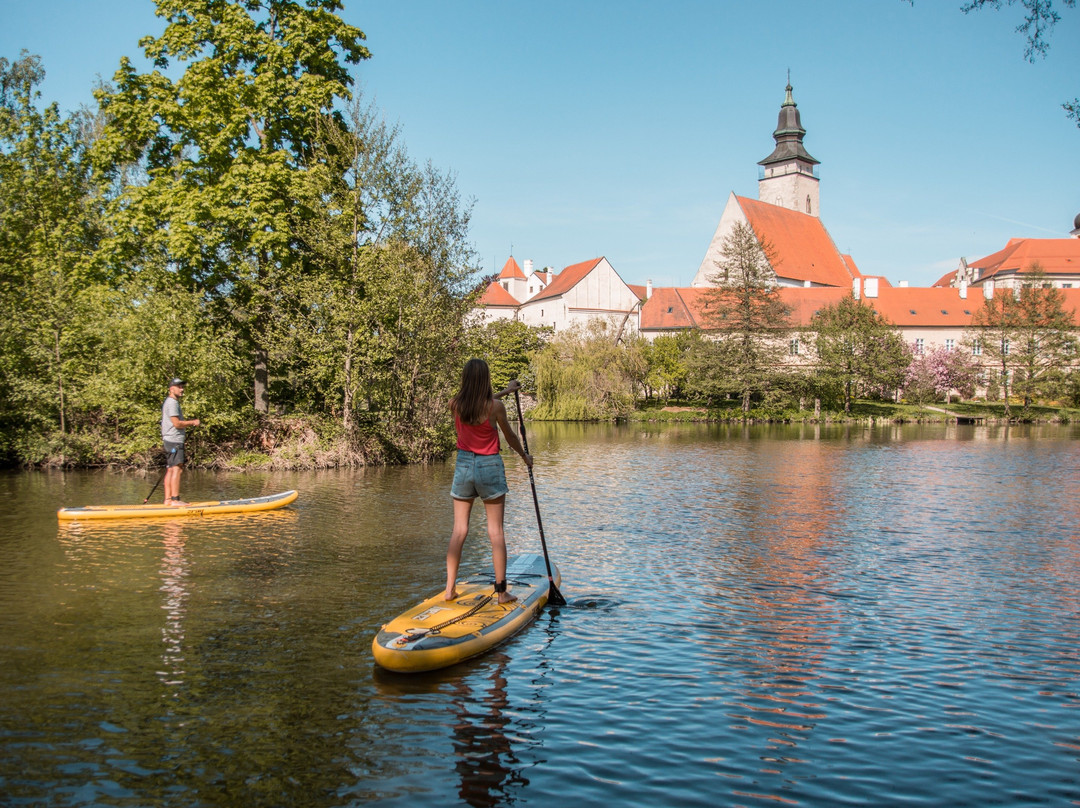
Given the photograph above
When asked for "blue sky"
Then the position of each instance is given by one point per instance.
(619, 128)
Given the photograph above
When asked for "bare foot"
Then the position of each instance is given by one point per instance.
(506, 597)
(178, 503)
(450, 595)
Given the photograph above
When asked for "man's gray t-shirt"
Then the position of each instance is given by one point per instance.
(169, 432)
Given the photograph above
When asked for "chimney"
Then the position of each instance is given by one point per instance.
(871, 287)
(856, 288)
(963, 290)
(648, 288)
(528, 267)
(902, 284)
(988, 290)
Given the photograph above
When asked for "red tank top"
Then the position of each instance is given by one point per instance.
(482, 439)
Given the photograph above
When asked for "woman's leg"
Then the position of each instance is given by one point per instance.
(495, 509)
(462, 509)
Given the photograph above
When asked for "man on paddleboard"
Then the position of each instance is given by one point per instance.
(173, 432)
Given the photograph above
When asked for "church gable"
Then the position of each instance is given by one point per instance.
(805, 254)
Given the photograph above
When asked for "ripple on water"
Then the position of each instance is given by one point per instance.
(846, 617)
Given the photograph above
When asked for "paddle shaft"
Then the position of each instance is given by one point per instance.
(555, 596)
(162, 477)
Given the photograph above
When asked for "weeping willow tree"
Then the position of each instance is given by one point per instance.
(582, 374)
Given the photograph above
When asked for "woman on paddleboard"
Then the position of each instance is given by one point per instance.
(479, 471)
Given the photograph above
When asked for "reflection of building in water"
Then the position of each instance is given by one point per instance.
(779, 620)
(174, 574)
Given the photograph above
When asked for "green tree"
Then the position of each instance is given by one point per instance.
(50, 288)
(667, 367)
(746, 319)
(391, 260)
(1044, 343)
(858, 351)
(583, 375)
(509, 346)
(225, 147)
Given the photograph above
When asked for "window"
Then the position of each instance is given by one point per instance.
(949, 345)
(1006, 347)
(919, 346)
(976, 348)
(808, 204)
(1066, 286)
(793, 347)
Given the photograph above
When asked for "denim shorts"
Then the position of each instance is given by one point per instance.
(478, 476)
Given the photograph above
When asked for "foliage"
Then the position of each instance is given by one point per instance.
(583, 375)
(935, 373)
(1045, 339)
(50, 288)
(1028, 335)
(666, 358)
(859, 352)
(379, 323)
(508, 346)
(225, 147)
(746, 319)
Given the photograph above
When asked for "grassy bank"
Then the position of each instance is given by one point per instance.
(861, 412)
(274, 442)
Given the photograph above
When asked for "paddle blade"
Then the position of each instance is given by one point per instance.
(555, 597)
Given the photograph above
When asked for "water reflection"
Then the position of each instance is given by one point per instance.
(815, 615)
(174, 586)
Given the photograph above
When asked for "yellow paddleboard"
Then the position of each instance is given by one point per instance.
(438, 633)
(267, 503)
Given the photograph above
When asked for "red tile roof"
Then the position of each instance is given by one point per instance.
(946, 279)
(933, 307)
(511, 270)
(567, 279)
(907, 307)
(1056, 256)
(495, 295)
(854, 270)
(804, 250)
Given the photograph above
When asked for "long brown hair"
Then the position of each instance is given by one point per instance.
(473, 401)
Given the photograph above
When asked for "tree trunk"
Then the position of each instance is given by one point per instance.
(346, 417)
(262, 398)
(60, 385)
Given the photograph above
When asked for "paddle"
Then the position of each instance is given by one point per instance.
(162, 477)
(555, 597)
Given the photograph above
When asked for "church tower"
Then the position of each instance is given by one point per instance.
(787, 178)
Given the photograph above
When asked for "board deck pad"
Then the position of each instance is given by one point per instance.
(267, 503)
(437, 633)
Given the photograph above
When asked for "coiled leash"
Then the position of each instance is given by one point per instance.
(414, 634)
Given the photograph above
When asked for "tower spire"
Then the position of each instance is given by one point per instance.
(787, 176)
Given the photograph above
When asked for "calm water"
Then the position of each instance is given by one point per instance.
(757, 617)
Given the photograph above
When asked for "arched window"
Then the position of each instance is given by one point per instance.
(808, 204)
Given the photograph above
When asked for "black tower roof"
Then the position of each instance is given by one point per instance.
(788, 135)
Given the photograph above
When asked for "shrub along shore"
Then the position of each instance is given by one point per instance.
(311, 442)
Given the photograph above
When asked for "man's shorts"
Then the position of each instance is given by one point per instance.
(478, 476)
(174, 454)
